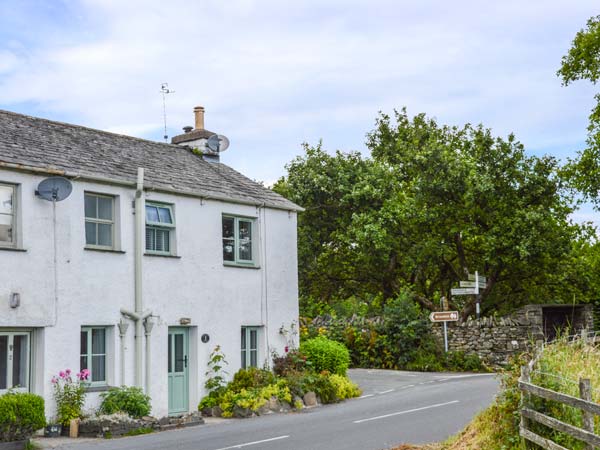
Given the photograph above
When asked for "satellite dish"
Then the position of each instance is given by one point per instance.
(217, 143)
(54, 189)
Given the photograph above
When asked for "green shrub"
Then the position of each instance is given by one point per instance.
(325, 354)
(459, 361)
(344, 387)
(426, 359)
(129, 400)
(293, 361)
(21, 414)
(253, 398)
(298, 382)
(251, 378)
(325, 389)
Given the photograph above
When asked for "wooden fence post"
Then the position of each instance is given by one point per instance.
(526, 378)
(584, 335)
(585, 392)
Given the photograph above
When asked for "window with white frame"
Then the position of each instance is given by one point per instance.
(250, 347)
(14, 360)
(238, 240)
(160, 226)
(93, 353)
(7, 214)
(99, 220)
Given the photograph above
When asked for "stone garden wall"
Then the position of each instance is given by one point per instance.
(493, 340)
(496, 339)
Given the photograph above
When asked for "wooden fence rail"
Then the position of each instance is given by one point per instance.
(584, 403)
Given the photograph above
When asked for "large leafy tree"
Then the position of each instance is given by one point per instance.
(432, 204)
(582, 62)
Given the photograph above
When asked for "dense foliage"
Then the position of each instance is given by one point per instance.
(293, 376)
(326, 355)
(582, 62)
(401, 338)
(21, 414)
(559, 369)
(431, 204)
(130, 400)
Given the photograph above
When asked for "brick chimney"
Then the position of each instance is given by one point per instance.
(199, 117)
(197, 137)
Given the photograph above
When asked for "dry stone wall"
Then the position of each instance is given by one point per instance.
(493, 340)
(496, 339)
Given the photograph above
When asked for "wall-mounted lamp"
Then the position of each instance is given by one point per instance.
(15, 300)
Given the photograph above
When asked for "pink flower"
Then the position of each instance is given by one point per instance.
(83, 375)
(68, 371)
(62, 374)
(286, 349)
(54, 380)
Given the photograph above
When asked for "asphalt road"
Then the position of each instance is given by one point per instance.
(396, 407)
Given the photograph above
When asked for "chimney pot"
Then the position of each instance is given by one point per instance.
(187, 129)
(199, 117)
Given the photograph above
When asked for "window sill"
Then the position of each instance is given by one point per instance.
(102, 388)
(105, 250)
(241, 266)
(162, 255)
(12, 249)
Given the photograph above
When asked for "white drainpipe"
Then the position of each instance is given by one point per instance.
(139, 315)
(148, 324)
(123, 325)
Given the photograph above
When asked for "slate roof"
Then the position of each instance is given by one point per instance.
(80, 151)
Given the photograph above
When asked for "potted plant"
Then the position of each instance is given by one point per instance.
(69, 394)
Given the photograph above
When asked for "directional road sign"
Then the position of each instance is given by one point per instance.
(481, 278)
(471, 284)
(444, 316)
(463, 291)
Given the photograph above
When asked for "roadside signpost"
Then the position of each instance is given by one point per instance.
(471, 287)
(463, 291)
(444, 316)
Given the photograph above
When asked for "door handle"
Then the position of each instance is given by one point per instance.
(185, 360)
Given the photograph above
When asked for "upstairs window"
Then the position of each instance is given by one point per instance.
(160, 226)
(238, 240)
(99, 220)
(7, 214)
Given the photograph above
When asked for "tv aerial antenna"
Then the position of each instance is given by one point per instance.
(164, 90)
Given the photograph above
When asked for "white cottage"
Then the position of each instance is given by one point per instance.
(157, 255)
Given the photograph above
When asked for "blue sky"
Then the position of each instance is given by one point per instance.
(274, 74)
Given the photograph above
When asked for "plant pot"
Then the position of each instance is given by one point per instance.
(53, 430)
(14, 445)
(74, 428)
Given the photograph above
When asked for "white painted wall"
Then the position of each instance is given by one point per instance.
(94, 285)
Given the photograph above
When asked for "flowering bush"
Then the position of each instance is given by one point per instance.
(69, 394)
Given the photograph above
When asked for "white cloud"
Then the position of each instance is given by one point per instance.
(272, 74)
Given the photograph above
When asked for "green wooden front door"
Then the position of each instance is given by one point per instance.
(178, 370)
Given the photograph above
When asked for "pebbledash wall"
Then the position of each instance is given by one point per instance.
(496, 339)
(92, 286)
